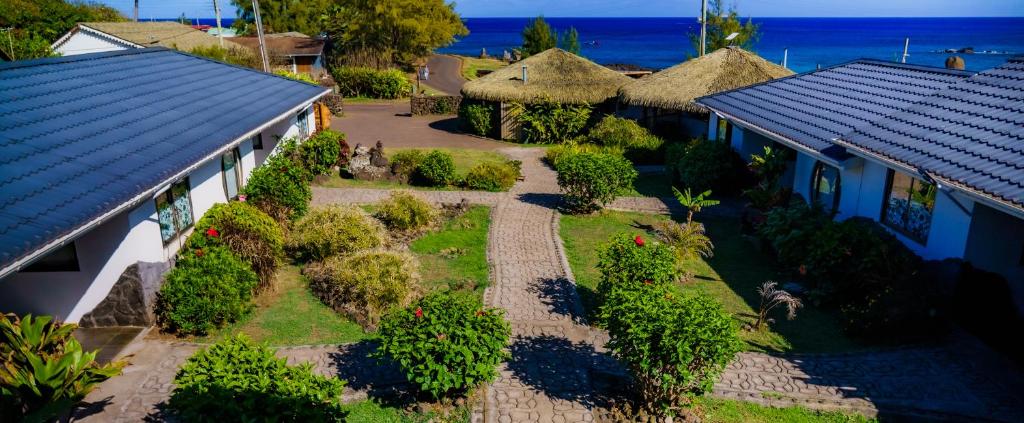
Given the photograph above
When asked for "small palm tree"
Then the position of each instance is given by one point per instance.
(694, 204)
(772, 297)
(687, 239)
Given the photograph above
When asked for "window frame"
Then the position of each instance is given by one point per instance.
(816, 183)
(302, 121)
(168, 196)
(224, 177)
(901, 229)
(40, 266)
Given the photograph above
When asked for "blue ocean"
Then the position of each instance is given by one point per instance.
(662, 42)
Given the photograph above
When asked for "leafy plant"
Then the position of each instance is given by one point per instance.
(445, 343)
(280, 188)
(403, 211)
(675, 346)
(207, 288)
(591, 180)
(320, 152)
(44, 372)
(550, 122)
(634, 261)
(304, 77)
(334, 229)
(694, 203)
(373, 83)
(721, 23)
(476, 118)
(538, 36)
(688, 240)
(767, 169)
(365, 284)
(555, 154)
(404, 164)
(239, 380)
(493, 176)
(710, 165)
(437, 169)
(245, 230)
(239, 56)
(638, 144)
(772, 297)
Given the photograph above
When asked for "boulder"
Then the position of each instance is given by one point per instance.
(369, 164)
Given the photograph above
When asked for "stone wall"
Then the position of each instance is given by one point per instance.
(333, 102)
(130, 302)
(435, 104)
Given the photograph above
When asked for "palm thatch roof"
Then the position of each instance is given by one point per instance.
(553, 74)
(723, 69)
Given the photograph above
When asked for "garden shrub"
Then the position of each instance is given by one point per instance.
(366, 284)
(249, 233)
(404, 164)
(476, 118)
(44, 372)
(639, 145)
(280, 188)
(319, 153)
(633, 261)
(239, 380)
(493, 176)
(334, 229)
(304, 77)
(446, 343)
(368, 82)
(437, 169)
(403, 211)
(675, 346)
(549, 122)
(591, 180)
(554, 155)
(207, 288)
(711, 165)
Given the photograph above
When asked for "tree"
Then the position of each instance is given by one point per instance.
(694, 203)
(306, 16)
(570, 41)
(721, 23)
(38, 23)
(538, 36)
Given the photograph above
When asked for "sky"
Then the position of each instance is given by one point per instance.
(644, 8)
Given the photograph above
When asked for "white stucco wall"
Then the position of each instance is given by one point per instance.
(82, 42)
(285, 128)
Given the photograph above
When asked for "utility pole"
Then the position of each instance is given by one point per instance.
(220, 31)
(135, 15)
(906, 46)
(703, 26)
(785, 56)
(259, 34)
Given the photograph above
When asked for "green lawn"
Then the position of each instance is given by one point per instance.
(731, 276)
(464, 159)
(471, 64)
(731, 411)
(456, 257)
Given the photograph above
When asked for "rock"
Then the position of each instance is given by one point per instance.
(366, 163)
(131, 299)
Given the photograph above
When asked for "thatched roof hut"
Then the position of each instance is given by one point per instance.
(553, 74)
(724, 69)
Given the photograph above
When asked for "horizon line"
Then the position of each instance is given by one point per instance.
(677, 17)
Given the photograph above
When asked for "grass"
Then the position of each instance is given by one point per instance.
(291, 315)
(731, 276)
(650, 185)
(456, 256)
(464, 159)
(472, 64)
(729, 411)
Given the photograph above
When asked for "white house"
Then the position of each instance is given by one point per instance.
(935, 155)
(95, 37)
(106, 163)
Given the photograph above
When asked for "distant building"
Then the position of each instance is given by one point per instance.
(108, 161)
(293, 51)
(94, 37)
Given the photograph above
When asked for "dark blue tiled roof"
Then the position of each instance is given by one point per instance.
(970, 134)
(81, 135)
(816, 107)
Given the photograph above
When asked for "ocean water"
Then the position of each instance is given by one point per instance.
(662, 42)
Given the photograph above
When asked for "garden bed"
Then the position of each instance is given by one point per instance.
(465, 159)
(732, 276)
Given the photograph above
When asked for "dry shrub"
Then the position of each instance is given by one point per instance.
(366, 284)
(405, 212)
(333, 230)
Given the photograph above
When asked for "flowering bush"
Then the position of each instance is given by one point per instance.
(445, 343)
(632, 260)
(280, 188)
(334, 229)
(591, 180)
(403, 211)
(320, 152)
(239, 380)
(437, 169)
(365, 284)
(207, 288)
(248, 232)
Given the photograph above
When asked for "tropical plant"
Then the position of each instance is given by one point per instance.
(446, 343)
(493, 176)
(538, 36)
(320, 152)
(637, 143)
(771, 297)
(44, 372)
(720, 24)
(633, 261)
(280, 188)
(35, 24)
(476, 118)
(403, 211)
(306, 16)
(550, 122)
(437, 169)
(712, 165)
(688, 240)
(694, 203)
(591, 180)
(333, 230)
(207, 288)
(245, 230)
(237, 379)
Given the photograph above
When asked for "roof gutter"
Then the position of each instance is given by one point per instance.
(27, 259)
(776, 137)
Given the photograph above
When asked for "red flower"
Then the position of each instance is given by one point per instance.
(212, 232)
(803, 270)
(440, 336)
(199, 252)
(419, 312)
(241, 198)
(479, 312)
(639, 241)
(647, 282)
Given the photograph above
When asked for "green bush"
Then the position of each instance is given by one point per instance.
(477, 118)
(304, 77)
(493, 176)
(249, 233)
(639, 145)
(334, 229)
(634, 261)
(280, 188)
(711, 165)
(591, 180)
(373, 83)
(207, 289)
(404, 164)
(320, 152)
(675, 346)
(548, 122)
(366, 284)
(239, 380)
(437, 169)
(445, 343)
(554, 155)
(403, 211)
(44, 372)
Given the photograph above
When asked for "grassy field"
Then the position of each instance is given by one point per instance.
(731, 276)
(464, 159)
(456, 257)
(472, 64)
(729, 411)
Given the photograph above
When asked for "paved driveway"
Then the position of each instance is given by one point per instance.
(445, 73)
(391, 122)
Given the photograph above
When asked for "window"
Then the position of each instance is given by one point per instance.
(825, 186)
(908, 206)
(303, 122)
(63, 259)
(724, 132)
(231, 169)
(174, 211)
(257, 141)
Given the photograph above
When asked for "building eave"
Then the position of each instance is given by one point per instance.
(777, 138)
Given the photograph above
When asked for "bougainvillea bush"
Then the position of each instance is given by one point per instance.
(445, 343)
(631, 260)
(208, 288)
(248, 232)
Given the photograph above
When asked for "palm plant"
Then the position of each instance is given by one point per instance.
(772, 297)
(694, 203)
(687, 239)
